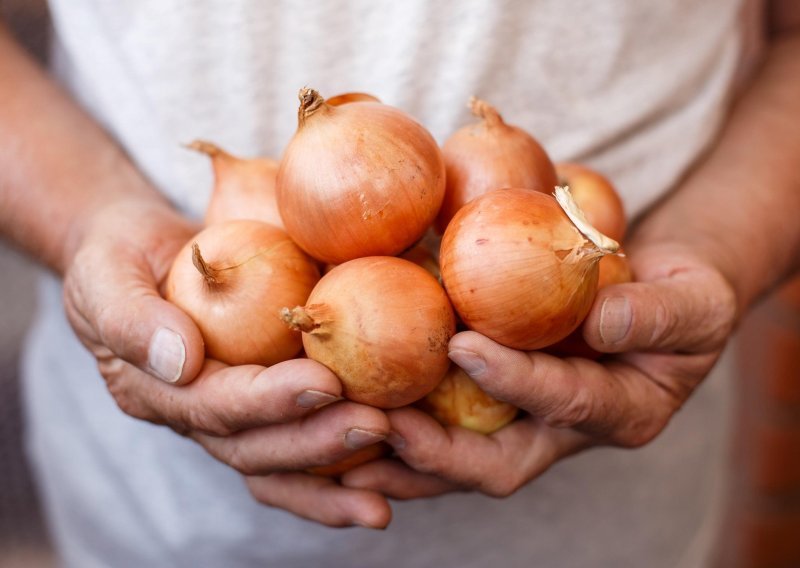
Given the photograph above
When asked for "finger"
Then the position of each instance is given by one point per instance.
(112, 299)
(322, 438)
(497, 464)
(322, 500)
(224, 400)
(616, 401)
(395, 479)
(688, 310)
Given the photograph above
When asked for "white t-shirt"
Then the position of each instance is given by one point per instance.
(636, 89)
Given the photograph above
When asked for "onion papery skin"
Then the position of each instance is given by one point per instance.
(458, 401)
(517, 270)
(491, 154)
(244, 188)
(597, 198)
(257, 270)
(360, 179)
(613, 269)
(382, 325)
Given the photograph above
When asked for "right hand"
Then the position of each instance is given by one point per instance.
(267, 423)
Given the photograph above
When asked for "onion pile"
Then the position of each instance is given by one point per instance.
(359, 190)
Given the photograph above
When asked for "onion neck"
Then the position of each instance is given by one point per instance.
(210, 274)
(208, 148)
(603, 244)
(299, 319)
(310, 102)
(485, 112)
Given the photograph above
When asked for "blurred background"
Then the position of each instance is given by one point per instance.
(761, 524)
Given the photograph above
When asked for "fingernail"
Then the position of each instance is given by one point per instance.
(472, 363)
(615, 319)
(356, 438)
(396, 441)
(315, 399)
(166, 355)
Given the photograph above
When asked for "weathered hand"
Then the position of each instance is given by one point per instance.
(666, 330)
(268, 423)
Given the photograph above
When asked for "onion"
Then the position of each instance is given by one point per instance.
(346, 98)
(360, 179)
(596, 196)
(421, 255)
(517, 268)
(359, 457)
(243, 188)
(458, 401)
(382, 325)
(232, 279)
(613, 269)
(491, 154)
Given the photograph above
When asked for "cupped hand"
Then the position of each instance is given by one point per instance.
(663, 332)
(270, 424)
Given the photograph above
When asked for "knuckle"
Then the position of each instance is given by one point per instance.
(641, 432)
(501, 486)
(201, 419)
(240, 460)
(572, 411)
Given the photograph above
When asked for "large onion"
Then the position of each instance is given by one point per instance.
(491, 154)
(233, 279)
(358, 179)
(382, 324)
(518, 270)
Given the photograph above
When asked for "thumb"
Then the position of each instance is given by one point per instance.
(691, 311)
(115, 308)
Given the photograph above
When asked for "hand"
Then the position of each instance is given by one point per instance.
(666, 331)
(266, 423)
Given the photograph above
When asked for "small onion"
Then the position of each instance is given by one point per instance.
(459, 401)
(358, 179)
(517, 268)
(596, 197)
(235, 288)
(491, 154)
(243, 188)
(382, 325)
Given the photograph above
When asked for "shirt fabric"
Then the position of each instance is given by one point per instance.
(636, 89)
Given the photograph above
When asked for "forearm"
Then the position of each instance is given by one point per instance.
(57, 166)
(739, 207)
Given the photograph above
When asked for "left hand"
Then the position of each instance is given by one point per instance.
(665, 331)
